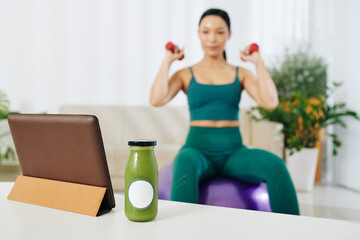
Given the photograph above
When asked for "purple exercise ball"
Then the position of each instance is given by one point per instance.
(226, 192)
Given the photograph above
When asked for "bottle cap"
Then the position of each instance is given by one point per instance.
(142, 143)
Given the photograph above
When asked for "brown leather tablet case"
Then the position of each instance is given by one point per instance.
(66, 148)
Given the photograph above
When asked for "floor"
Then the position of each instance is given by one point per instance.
(325, 201)
(328, 201)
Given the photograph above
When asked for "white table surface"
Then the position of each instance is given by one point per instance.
(174, 221)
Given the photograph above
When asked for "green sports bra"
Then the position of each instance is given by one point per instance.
(214, 102)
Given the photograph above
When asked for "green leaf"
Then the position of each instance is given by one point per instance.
(337, 143)
(4, 105)
(335, 152)
(337, 84)
(338, 122)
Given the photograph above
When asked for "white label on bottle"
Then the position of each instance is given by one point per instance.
(141, 194)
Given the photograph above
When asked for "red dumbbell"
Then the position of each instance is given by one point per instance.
(253, 48)
(170, 46)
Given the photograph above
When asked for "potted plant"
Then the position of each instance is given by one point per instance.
(7, 152)
(301, 81)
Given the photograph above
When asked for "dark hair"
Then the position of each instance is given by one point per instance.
(220, 13)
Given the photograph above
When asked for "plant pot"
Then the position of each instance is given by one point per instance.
(302, 168)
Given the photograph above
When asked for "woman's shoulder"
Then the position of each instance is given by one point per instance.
(242, 72)
(240, 69)
(183, 73)
(235, 68)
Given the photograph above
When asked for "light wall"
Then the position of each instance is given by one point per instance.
(335, 34)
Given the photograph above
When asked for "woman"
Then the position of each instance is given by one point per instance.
(214, 144)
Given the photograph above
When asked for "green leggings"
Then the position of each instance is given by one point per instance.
(219, 152)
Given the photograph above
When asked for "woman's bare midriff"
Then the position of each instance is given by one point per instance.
(211, 123)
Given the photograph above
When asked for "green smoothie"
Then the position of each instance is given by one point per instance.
(141, 182)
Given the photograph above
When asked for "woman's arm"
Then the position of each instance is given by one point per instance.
(164, 89)
(261, 88)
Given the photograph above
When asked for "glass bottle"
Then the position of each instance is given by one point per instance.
(141, 182)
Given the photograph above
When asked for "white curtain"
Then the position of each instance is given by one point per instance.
(55, 52)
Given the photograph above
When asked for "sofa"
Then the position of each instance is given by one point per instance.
(168, 125)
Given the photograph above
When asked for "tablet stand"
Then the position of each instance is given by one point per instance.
(73, 197)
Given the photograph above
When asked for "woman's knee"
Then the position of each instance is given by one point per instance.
(189, 158)
(276, 166)
(267, 160)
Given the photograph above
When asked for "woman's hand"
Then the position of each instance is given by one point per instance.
(171, 57)
(163, 88)
(261, 88)
(253, 57)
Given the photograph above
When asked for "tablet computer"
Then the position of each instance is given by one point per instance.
(62, 147)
